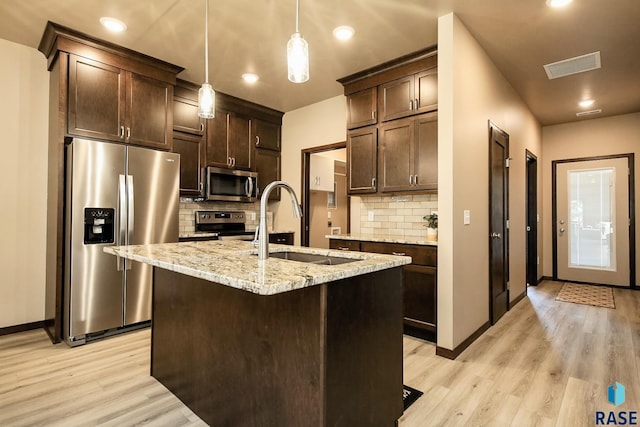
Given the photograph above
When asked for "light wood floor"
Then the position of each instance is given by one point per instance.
(546, 363)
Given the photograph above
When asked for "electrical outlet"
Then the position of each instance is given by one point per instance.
(328, 223)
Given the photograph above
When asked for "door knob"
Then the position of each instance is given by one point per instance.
(495, 235)
(562, 230)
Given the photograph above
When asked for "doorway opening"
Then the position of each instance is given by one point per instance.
(498, 222)
(532, 218)
(326, 205)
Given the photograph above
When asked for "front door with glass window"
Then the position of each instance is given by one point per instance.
(592, 228)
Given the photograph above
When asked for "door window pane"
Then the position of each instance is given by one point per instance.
(591, 207)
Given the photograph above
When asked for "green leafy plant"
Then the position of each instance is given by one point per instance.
(432, 220)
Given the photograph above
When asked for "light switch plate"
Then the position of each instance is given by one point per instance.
(370, 215)
(467, 217)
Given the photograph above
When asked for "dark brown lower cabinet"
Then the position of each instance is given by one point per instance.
(281, 238)
(419, 280)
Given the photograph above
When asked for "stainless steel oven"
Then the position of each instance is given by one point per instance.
(231, 185)
(229, 225)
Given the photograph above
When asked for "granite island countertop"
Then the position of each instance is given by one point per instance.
(386, 239)
(235, 263)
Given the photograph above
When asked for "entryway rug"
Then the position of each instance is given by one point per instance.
(599, 296)
(409, 395)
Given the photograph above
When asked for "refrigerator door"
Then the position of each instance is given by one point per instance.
(153, 181)
(93, 284)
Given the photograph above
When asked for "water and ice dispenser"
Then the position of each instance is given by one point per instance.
(99, 225)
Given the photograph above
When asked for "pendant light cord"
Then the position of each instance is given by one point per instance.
(206, 41)
(297, 14)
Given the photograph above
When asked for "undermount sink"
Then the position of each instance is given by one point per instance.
(311, 258)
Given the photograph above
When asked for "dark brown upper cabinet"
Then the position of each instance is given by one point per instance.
(362, 108)
(109, 103)
(266, 135)
(228, 140)
(185, 116)
(191, 150)
(267, 164)
(409, 95)
(408, 153)
(362, 160)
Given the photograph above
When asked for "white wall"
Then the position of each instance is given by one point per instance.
(24, 84)
(318, 124)
(472, 91)
(588, 138)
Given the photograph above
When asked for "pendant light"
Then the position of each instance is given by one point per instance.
(298, 54)
(206, 94)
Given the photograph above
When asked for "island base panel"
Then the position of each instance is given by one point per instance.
(326, 355)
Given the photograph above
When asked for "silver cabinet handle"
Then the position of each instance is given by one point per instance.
(257, 140)
(410, 179)
(373, 182)
(410, 105)
(128, 133)
(373, 115)
(201, 127)
(415, 179)
(398, 253)
(121, 132)
(417, 104)
(343, 248)
(229, 161)
(234, 161)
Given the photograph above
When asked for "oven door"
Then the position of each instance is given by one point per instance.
(231, 185)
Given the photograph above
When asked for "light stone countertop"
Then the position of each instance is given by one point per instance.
(368, 238)
(234, 263)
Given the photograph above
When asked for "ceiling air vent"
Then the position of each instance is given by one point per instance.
(579, 64)
(588, 113)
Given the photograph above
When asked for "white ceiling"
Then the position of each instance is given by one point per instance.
(251, 35)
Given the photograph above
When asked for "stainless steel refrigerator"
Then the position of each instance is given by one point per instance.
(115, 195)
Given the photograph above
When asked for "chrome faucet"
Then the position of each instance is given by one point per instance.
(262, 232)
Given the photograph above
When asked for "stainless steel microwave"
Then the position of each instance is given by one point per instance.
(231, 185)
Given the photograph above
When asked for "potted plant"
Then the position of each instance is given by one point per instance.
(432, 226)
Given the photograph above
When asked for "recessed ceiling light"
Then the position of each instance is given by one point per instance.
(558, 3)
(250, 77)
(113, 24)
(343, 32)
(586, 103)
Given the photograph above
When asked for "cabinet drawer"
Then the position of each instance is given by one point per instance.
(344, 245)
(281, 238)
(420, 255)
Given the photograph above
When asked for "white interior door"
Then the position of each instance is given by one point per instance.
(593, 221)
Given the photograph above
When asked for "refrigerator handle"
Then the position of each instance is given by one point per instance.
(122, 220)
(131, 210)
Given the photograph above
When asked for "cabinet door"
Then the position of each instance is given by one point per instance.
(191, 153)
(396, 155)
(216, 131)
(185, 116)
(321, 173)
(361, 108)
(268, 168)
(239, 141)
(420, 296)
(426, 158)
(427, 91)
(362, 155)
(266, 135)
(396, 99)
(149, 112)
(96, 99)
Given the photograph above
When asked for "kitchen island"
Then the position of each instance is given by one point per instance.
(278, 342)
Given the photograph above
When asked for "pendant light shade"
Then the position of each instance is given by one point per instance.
(297, 55)
(206, 94)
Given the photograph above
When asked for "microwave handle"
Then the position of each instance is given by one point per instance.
(249, 186)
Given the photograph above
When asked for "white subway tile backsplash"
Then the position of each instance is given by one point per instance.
(396, 216)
